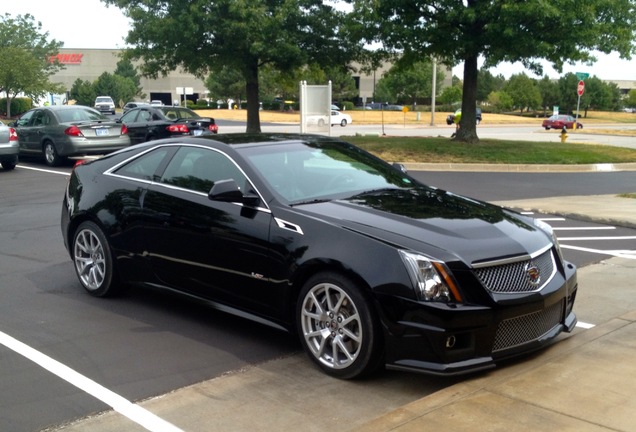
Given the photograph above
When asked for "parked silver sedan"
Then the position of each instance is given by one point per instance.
(9, 147)
(58, 132)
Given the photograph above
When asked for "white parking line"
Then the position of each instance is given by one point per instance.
(601, 228)
(597, 238)
(42, 170)
(133, 412)
(629, 254)
(583, 325)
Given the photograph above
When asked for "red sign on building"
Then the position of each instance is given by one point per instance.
(68, 59)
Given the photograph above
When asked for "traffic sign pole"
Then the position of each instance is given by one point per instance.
(579, 90)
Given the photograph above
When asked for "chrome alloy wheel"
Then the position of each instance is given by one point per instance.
(331, 326)
(90, 259)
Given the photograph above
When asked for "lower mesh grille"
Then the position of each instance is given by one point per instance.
(527, 328)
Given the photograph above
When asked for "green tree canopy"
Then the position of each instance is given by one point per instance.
(523, 91)
(408, 83)
(559, 31)
(26, 55)
(226, 83)
(451, 95)
(83, 92)
(126, 69)
(631, 99)
(204, 35)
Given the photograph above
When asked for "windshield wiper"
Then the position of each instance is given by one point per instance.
(312, 201)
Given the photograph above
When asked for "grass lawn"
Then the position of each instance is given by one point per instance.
(443, 150)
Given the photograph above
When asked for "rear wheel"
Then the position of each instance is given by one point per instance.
(93, 261)
(337, 327)
(51, 156)
(8, 165)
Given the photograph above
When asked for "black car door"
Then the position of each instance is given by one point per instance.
(136, 129)
(216, 250)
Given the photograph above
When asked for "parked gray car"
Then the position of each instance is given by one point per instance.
(9, 147)
(58, 132)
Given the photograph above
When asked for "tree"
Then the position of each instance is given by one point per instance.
(560, 31)
(126, 69)
(488, 83)
(343, 86)
(500, 101)
(202, 36)
(225, 84)
(451, 95)
(26, 55)
(82, 92)
(631, 99)
(121, 89)
(523, 91)
(550, 93)
(411, 82)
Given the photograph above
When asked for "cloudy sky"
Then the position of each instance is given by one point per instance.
(93, 25)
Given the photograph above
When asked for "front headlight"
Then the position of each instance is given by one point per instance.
(430, 278)
(546, 228)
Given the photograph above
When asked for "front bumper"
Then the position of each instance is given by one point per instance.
(449, 340)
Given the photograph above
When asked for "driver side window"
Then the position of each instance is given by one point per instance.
(198, 169)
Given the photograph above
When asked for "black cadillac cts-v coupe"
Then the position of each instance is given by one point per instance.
(318, 237)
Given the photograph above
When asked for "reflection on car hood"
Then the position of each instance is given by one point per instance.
(432, 221)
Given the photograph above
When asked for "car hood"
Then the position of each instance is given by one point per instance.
(435, 222)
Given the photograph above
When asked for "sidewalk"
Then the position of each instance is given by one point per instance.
(584, 382)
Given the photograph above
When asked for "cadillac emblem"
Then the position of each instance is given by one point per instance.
(534, 274)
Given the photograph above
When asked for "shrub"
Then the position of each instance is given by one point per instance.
(18, 106)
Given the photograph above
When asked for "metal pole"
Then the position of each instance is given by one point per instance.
(433, 91)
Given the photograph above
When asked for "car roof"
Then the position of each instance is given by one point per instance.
(243, 139)
(65, 107)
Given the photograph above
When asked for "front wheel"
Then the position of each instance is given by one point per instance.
(93, 261)
(343, 123)
(337, 327)
(51, 156)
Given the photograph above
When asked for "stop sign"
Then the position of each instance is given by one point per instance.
(581, 88)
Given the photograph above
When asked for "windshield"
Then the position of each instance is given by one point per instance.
(306, 172)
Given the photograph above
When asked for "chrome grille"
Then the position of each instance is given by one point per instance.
(523, 329)
(514, 277)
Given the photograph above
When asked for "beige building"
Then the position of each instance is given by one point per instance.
(89, 64)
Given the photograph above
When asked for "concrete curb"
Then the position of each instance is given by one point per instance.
(536, 168)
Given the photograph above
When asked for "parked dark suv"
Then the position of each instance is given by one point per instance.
(450, 119)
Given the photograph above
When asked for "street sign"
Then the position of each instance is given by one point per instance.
(581, 88)
(582, 75)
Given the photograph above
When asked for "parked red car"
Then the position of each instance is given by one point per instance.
(558, 121)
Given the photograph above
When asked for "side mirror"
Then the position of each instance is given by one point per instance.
(228, 191)
(400, 167)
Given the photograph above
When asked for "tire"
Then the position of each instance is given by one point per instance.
(8, 165)
(337, 327)
(321, 123)
(343, 123)
(547, 128)
(51, 156)
(93, 261)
